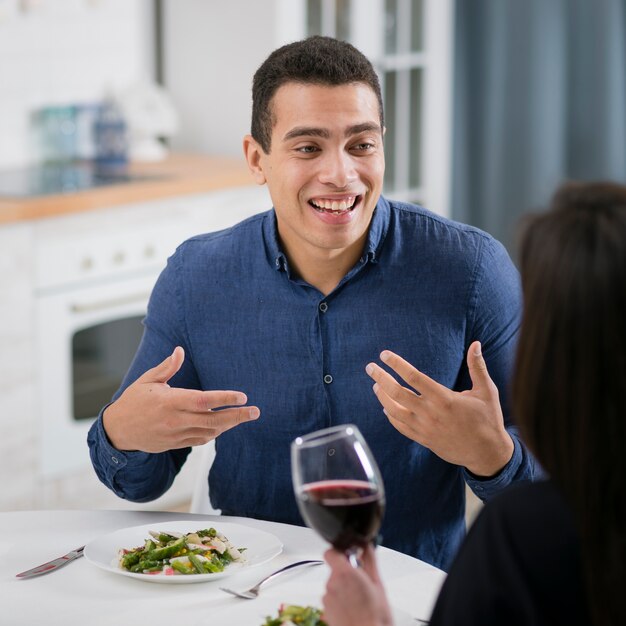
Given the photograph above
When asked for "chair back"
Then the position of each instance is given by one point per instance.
(200, 502)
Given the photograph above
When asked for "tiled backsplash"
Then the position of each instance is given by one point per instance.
(66, 52)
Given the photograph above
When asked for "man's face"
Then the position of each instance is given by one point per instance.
(325, 167)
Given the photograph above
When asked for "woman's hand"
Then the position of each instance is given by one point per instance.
(355, 596)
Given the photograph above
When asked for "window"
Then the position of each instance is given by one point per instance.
(410, 44)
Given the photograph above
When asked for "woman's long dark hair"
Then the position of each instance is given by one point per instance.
(569, 389)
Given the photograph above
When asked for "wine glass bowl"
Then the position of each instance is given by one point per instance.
(338, 486)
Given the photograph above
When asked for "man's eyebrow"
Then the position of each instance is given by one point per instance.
(312, 131)
(365, 127)
(306, 131)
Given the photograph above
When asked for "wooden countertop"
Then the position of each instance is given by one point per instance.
(179, 174)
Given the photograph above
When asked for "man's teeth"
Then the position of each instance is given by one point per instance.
(334, 206)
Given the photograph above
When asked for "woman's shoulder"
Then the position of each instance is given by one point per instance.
(526, 496)
(530, 518)
(520, 563)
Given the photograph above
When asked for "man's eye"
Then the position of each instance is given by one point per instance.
(307, 149)
(364, 146)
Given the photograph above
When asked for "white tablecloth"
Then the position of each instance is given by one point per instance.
(80, 593)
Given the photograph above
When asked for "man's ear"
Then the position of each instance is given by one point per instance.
(253, 153)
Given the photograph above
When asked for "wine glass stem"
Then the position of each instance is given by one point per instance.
(354, 559)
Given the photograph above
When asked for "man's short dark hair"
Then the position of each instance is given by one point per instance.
(316, 60)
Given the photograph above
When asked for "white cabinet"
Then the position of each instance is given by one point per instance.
(18, 429)
(59, 278)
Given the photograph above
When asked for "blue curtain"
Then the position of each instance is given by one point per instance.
(540, 97)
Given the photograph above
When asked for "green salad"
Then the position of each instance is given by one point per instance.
(300, 615)
(169, 553)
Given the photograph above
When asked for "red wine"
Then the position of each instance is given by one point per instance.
(346, 513)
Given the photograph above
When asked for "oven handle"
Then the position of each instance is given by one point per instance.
(111, 303)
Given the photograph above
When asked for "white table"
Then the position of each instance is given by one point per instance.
(80, 593)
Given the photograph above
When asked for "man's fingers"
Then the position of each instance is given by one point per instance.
(409, 374)
(225, 419)
(393, 408)
(390, 385)
(195, 401)
(194, 429)
(407, 422)
(477, 367)
(418, 381)
(211, 400)
(166, 369)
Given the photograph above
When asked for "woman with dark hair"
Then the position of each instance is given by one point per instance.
(551, 552)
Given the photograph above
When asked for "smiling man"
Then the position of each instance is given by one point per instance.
(324, 171)
(290, 309)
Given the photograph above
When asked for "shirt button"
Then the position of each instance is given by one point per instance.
(115, 460)
(362, 259)
(323, 307)
(328, 379)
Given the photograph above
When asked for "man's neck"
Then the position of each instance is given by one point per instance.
(324, 269)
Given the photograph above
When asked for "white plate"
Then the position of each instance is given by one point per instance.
(260, 548)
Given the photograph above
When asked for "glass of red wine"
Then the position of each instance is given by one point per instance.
(338, 487)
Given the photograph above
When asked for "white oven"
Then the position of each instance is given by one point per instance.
(86, 339)
(94, 275)
(92, 292)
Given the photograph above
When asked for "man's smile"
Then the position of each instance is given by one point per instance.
(336, 206)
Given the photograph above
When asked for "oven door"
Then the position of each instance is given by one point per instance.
(87, 337)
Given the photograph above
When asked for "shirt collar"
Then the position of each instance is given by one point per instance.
(378, 230)
(375, 237)
(275, 255)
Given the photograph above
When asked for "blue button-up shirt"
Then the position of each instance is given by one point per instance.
(424, 287)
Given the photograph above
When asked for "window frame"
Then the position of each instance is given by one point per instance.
(434, 61)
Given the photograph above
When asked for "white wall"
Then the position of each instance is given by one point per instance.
(65, 52)
(212, 49)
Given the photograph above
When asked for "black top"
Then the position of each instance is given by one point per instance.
(520, 564)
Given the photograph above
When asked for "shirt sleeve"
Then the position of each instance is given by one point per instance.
(494, 319)
(134, 475)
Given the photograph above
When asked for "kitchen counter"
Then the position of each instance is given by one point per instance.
(179, 174)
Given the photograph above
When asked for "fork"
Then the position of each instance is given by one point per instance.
(253, 592)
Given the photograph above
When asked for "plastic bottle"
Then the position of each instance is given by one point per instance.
(110, 138)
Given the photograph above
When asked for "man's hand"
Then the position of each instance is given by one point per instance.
(465, 428)
(153, 417)
(355, 596)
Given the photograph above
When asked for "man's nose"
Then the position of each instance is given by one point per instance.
(337, 169)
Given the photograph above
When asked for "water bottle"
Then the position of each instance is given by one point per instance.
(110, 138)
